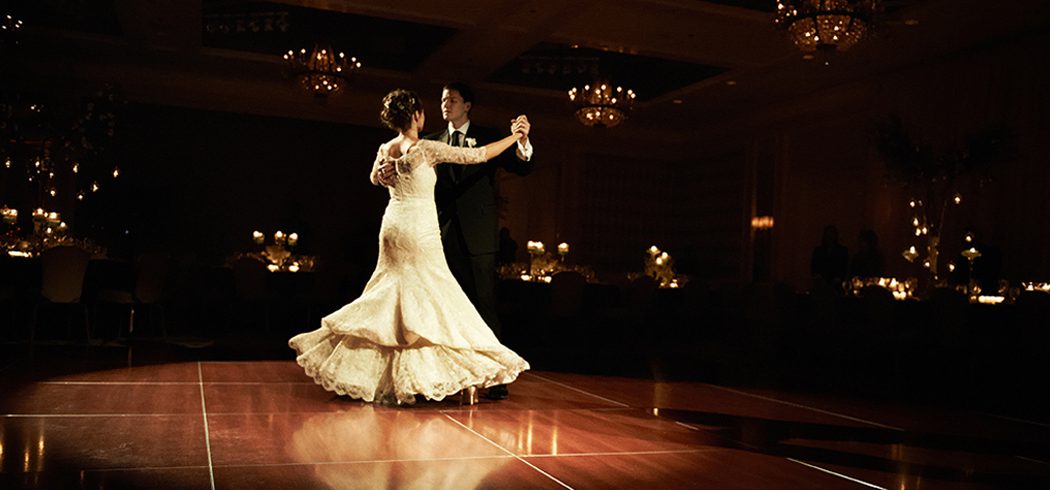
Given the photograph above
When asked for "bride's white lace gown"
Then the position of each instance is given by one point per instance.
(413, 330)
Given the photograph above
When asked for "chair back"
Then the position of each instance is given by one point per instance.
(567, 293)
(62, 274)
(151, 274)
(249, 280)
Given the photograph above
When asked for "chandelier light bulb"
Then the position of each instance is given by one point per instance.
(320, 71)
(825, 25)
(601, 105)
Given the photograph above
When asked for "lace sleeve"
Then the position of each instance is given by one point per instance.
(438, 152)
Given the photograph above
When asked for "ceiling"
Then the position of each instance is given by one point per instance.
(692, 63)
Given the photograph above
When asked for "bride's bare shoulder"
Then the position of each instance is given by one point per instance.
(389, 148)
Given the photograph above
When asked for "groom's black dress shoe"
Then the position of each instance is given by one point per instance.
(498, 392)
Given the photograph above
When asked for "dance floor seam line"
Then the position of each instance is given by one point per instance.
(207, 436)
(840, 475)
(624, 453)
(807, 407)
(1022, 421)
(118, 383)
(145, 468)
(173, 383)
(509, 455)
(585, 392)
(368, 461)
(551, 409)
(73, 415)
(1033, 460)
(501, 448)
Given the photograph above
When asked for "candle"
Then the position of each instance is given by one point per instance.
(293, 239)
(653, 250)
(563, 248)
(273, 267)
(258, 237)
(278, 237)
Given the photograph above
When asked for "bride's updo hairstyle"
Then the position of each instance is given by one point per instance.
(398, 108)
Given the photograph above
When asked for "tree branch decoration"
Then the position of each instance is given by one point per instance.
(932, 179)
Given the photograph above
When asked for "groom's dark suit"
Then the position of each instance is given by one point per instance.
(469, 218)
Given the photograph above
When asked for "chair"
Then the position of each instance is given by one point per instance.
(249, 287)
(151, 277)
(62, 283)
(567, 294)
(109, 284)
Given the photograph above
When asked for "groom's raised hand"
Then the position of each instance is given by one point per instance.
(520, 126)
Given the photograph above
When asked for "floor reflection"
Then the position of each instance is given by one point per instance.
(417, 445)
(911, 455)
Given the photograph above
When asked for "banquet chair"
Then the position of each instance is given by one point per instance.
(109, 286)
(63, 270)
(567, 294)
(250, 292)
(151, 277)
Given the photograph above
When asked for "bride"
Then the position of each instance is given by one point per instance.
(413, 331)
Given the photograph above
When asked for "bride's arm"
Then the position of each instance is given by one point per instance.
(442, 153)
(497, 147)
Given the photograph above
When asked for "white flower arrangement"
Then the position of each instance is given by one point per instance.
(471, 142)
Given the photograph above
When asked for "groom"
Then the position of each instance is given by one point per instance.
(466, 203)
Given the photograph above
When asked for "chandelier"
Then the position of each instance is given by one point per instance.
(601, 105)
(825, 25)
(320, 71)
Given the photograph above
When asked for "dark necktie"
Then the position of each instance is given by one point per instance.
(457, 140)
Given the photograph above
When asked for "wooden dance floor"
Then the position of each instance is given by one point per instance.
(263, 424)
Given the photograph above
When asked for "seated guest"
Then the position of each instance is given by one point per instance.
(830, 259)
(868, 261)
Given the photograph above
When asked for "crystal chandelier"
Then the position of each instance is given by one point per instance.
(825, 25)
(321, 71)
(601, 105)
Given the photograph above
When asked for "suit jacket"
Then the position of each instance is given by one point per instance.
(466, 196)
